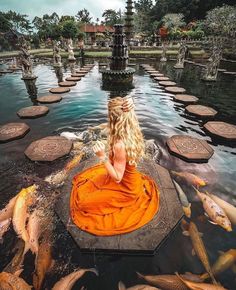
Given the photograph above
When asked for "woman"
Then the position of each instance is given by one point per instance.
(112, 197)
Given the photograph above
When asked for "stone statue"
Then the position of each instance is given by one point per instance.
(211, 71)
(25, 61)
(181, 55)
(56, 55)
(70, 47)
(163, 55)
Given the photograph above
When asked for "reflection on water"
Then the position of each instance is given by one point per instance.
(32, 90)
(160, 117)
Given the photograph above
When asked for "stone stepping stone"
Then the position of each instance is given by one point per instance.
(59, 90)
(67, 84)
(221, 69)
(161, 79)
(186, 99)
(33, 112)
(175, 90)
(232, 73)
(150, 71)
(189, 148)
(6, 71)
(49, 99)
(73, 79)
(84, 71)
(221, 129)
(49, 148)
(154, 75)
(13, 131)
(201, 111)
(78, 75)
(167, 83)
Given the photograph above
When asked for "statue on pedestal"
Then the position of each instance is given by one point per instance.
(56, 55)
(25, 61)
(70, 48)
(164, 50)
(211, 71)
(181, 55)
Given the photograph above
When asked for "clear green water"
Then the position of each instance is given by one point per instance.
(160, 118)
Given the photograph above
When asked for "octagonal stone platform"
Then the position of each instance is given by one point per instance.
(221, 129)
(161, 79)
(175, 90)
(48, 148)
(49, 99)
(201, 111)
(33, 112)
(73, 79)
(189, 148)
(67, 84)
(78, 74)
(167, 83)
(142, 241)
(59, 90)
(186, 99)
(13, 131)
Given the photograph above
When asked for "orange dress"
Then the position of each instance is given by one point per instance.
(103, 207)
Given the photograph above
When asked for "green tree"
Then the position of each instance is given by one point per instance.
(142, 19)
(5, 24)
(83, 16)
(112, 17)
(16, 21)
(48, 26)
(69, 29)
(222, 21)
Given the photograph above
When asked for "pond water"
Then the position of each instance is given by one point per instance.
(160, 117)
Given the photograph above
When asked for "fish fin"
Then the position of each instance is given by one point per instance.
(187, 210)
(185, 233)
(140, 275)
(206, 214)
(26, 248)
(95, 271)
(211, 222)
(221, 252)
(121, 286)
(18, 272)
(200, 234)
(233, 268)
(193, 252)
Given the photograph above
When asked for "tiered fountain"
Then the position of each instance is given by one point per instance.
(118, 74)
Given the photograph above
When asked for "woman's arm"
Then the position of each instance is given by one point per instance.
(116, 171)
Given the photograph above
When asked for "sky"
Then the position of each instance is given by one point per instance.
(61, 7)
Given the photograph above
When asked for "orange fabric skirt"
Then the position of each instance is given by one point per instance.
(103, 207)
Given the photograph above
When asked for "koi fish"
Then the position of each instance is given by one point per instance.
(225, 261)
(67, 282)
(7, 211)
(167, 282)
(4, 226)
(199, 248)
(74, 162)
(12, 282)
(190, 178)
(44, 262)
(228, 208)
(121, 286)
(184, 200)
(200, 286)
(20, 213)
(214, 211)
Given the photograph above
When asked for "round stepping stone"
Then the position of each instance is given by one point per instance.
(12, 131)
(161, 79)
(201, 111)
(33, 112)
(67, 84)
(175, 90)
(221, 129)
(59, 90)
(189, 148)
(73, 79)
(150, 71)
(49, 148)
(49, 99)
(84, 71)
(186, 99)
(167, 83)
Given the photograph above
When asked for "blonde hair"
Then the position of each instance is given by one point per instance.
(125, 126)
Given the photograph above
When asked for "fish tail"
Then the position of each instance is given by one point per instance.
(213, 278)
(26, 248)
(95, 271)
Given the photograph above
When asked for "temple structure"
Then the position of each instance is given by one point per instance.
(118, 73)
(129, 19)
